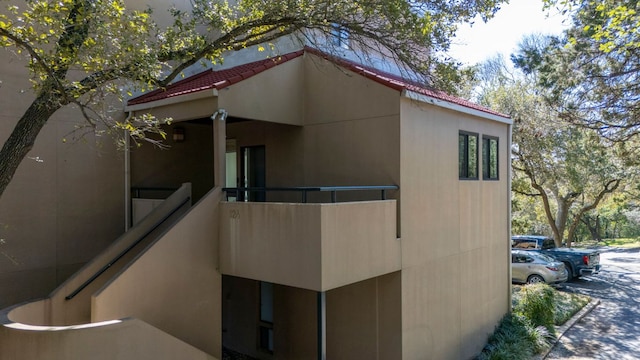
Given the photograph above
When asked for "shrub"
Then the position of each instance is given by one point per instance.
(514, 338)
(528, 329)
(536, 303)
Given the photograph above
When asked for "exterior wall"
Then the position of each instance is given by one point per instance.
(187, 161)
(65, 202)
(294, 312)
(240, 314)
(295, 323)
(283, 151)
(333, 94)
(77, 310)
(351, 136)
(352, 128)
(124, 340)
(455, 237)
(174, 285)
(275, 95)
(311, 246)
(364, 320)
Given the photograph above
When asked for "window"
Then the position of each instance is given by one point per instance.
(340, 36)
(467, 155)
(489, 158)
(265, 326)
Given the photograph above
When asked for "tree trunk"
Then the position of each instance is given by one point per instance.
(609, 187)
(547, 210)
(594, 228)
(561, 219)
(24, 135)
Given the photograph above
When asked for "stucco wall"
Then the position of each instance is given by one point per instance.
(283, 144)
(187, 161)
(123, 340)
(174, 285)
(294, 312)
(311, 246)
(364, 320)
(454, 280)
(352, 131)
(455, 237)
(65, 202)
(275, 95)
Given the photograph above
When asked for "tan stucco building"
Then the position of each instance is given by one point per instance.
(324, 209)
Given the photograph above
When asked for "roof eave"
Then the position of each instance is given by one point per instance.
(203, 94)
(456, 107)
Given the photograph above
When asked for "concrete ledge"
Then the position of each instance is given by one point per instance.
(562, 329)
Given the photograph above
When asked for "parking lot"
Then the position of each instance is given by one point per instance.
(612, 329)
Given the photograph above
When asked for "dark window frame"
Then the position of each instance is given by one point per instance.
(464, 161)
(341, 36)
(486, 157)
(265, 326)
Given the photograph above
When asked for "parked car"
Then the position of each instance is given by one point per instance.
(529, 267)
(577, 261)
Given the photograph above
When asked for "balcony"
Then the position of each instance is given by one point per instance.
(316, 246)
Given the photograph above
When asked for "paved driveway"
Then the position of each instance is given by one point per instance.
(612, 329)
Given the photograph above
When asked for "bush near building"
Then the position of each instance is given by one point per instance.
(530, 327)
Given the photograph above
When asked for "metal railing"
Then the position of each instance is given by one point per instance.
(305, 190)
(152, 192)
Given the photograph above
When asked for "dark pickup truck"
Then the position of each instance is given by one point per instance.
(577, 261)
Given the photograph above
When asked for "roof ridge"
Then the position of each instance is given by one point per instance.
(218, 79)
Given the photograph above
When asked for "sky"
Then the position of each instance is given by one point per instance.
(502, 34)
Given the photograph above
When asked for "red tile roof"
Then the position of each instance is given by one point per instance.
(219, 79)
(210, 79)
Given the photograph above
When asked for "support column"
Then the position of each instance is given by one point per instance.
(219, 147)
(322, 325)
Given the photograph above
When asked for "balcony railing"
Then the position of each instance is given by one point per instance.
(244, 192)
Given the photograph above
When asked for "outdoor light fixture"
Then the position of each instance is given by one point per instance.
(178, 134)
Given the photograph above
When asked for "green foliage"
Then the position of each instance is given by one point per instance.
(108, 41)
(514, 338)
(566, 305)
(560, 171)
(536, 303)
(528, 329)
(593, 70)
(92, 53)
(623, 242)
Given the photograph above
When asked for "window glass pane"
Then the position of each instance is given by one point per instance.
(462, 163)
(266, 302)
(473, 157)
(340, 36)
(467, 155)
(493, 159)
(489, 158)
(485, 158)
(266, 338)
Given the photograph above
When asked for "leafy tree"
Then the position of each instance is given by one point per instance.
(80, 51)
(593, 70)
(569, 170)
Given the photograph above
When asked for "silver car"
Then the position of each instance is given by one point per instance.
(529, 267)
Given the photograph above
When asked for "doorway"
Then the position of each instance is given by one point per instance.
(253, 172)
